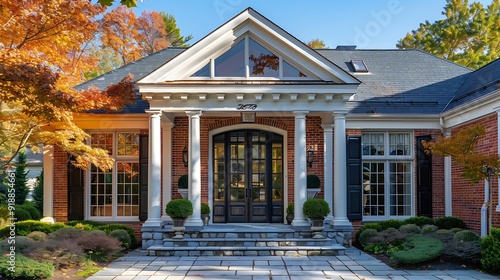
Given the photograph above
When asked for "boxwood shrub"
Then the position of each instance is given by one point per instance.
(490, 252)
(110, 227)
(449, 222)
(419, 221)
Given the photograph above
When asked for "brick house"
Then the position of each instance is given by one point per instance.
(249, 110)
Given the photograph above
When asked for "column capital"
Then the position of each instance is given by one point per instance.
(339, 113)
(299, 114)
(154, 112)
(196, 113)
(327, 126)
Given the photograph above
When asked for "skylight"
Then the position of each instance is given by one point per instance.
(359, 66)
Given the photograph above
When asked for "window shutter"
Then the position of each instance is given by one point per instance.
(424, 179)
(75, 192)
(143, 176)
(354, 178)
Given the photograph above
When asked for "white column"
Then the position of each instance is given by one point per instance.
(340, 220)
(154, 171)
(328, 167)
(48, 184)
(194, 169)
(300, 169)
(484, 210)
(448, 209)
(167, 167)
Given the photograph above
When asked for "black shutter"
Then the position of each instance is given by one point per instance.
(75, 192)
(424, 179)
(143, 176)
(354, 178)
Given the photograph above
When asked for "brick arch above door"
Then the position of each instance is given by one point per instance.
(265, 121)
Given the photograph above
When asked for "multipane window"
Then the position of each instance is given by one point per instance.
(262, 62)
(115, 193)
(290, 71)
(387, 176)
(232, 62)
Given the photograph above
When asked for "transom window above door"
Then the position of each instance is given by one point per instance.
(249, 59)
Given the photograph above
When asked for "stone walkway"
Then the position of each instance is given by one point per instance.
(353, 265)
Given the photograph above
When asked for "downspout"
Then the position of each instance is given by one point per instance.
(448, 210)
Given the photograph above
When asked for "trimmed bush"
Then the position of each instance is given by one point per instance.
(98, 232)
(442, 234)
(386, 241)
(366, 226)
(109, 228)
(410, 228)
(99, 248)
(316, 208)
(419, 221)
(28, 206)
(25, 227)
(22, 214)
(182, 183)
(429, 229)
(417, 249)
(290, 209)
(390, 224)
(122, 236)
(463, 251)
(26, 268)
(37, 235)
(205, 209)
(179, 208)
(67, 233)
(490, 252)
(455, 230)
(313, 181)
(22, 243)
(466, 236)
(366, 235)
(61, 253)
(449, 222)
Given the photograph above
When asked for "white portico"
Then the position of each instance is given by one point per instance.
(243, 167)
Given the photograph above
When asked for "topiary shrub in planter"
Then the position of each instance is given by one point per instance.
(449, 222)
(313, 184)
(182, 183)
(417, 249)
(316, 208)
(205, 213)
(179, 208)
(490, 252)
(290, 213)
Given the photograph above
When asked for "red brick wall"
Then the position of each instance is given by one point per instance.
(60, 190)
(467, 198)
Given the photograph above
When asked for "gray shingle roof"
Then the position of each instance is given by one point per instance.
(398, 81)
(481, 82)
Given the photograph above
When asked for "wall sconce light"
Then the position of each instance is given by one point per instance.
(185, 156)
(310, 157)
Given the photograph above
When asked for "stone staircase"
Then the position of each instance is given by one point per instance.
(247, 240)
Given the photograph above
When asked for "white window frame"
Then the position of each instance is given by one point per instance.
(114, 190)
(387, 158)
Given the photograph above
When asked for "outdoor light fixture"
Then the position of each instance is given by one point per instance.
(310, 157)
(185, 156)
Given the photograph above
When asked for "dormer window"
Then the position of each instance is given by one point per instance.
(249, 59)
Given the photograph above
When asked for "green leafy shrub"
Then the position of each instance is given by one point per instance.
(419, 221)
(429, 229)
(390, 224)
(4, 212)
(99, 248)
(449, 222)
(98, 232)
(366, 226)
(466, 236)
(455, 230)
(25, 227)
(61, 253)
(290, 209)
(205, 209)
(28, 206)
(442, 234)
(110, 227)
(37, 235)
(80, 223)
(179, 208)
(417, 249)
(490, 252)
(22, 244)
(313, 181)
(67, 233)
(26, 268)
(410, 228)
(22, 214)
(123, 236)
(316, 208)
(463, 251)
(366, 235)
(389, 240)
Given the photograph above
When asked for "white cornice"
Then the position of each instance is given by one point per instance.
(380, 121)
(472, 110)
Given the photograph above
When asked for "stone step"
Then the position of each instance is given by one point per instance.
(332, 250)
(248, 242)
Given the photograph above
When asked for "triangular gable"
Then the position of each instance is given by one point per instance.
(249, 24)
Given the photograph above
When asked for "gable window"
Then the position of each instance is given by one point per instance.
(387, 175)
(114, 194)
(249, 59)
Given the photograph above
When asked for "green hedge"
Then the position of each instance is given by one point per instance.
(26, 268)
(417, 249)
(23, 228)
(490, 252)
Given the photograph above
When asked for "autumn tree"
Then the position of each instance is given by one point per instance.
(127, 3)
(152, 33)
(43, 53)
(469, 35)
(462, 149)
(316, 44)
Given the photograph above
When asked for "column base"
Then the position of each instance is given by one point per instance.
(49, 220)
(328, 220)
(300, 223)
(167, 220)
(153, 223)
(194, 222)
(341, 224)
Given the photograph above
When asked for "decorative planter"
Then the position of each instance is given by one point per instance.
(184, 193)
(312, 192)
(316, 227)
(178, 227)
(205, 218)
(289, 218)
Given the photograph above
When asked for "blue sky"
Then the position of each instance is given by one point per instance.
(369, 24)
